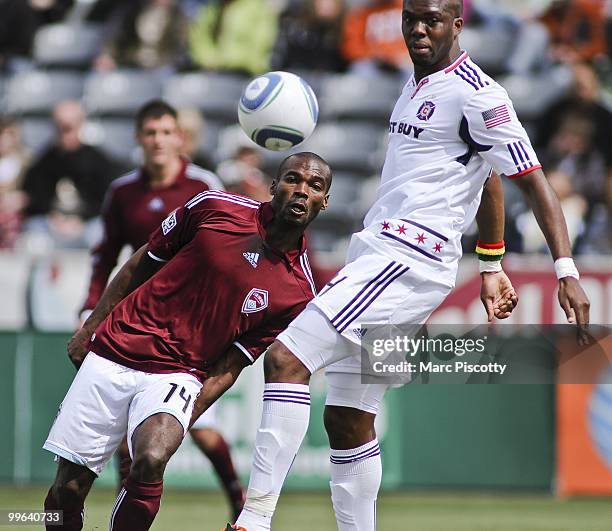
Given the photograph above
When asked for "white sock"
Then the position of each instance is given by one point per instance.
(284, 422)
(355, 480)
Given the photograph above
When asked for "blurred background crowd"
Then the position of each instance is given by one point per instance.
(74, 72)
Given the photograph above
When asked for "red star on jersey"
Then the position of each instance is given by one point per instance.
(420, 238)
(438, 247)
(401, 229)
(386, 225)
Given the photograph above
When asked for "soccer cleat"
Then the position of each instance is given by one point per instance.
(231, 527)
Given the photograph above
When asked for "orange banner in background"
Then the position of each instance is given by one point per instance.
(582, 444)
(584, 427)
(583, 411)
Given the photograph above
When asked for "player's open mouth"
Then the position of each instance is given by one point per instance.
(297, 209)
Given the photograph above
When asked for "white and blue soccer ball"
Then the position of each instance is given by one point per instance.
(278, 110)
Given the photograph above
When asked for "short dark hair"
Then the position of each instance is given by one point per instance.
(306, 155)
(154, 109)
(455, 7)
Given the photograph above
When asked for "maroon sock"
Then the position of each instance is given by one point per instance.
(136, 505)
(221, 460)
(73, 514)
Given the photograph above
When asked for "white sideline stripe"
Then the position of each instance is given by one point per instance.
(156, 258)
(23, 408)
(244, 351)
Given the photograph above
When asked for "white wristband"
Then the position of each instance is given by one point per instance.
(565, 267)
(85, 314)
(485, 266)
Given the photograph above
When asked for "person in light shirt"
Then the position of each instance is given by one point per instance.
(450, 128)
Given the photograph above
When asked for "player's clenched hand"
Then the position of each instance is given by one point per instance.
(79, 346)
(575, 304)
(497, 295)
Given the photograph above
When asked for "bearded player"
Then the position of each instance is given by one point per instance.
(135, 206)
(221, 277)
(450, 127)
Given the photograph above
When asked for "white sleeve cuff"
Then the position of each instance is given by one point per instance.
(244, 351)
(156, 258)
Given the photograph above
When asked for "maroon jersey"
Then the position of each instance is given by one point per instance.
(222, 285)
(132, 210)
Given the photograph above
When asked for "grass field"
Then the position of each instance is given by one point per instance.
(206, 511)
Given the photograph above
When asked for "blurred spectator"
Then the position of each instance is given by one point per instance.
(574, 208)
(193, 128)
(66, 184)
(19, 20)
(576, 28)
(573, 152)
(234, 35)
(597, 236)
(309, 37)
(151, 34)
(507, 43)
(372, 37)
(13, 162)
(244, 174)
(105, 10)
(574, 135)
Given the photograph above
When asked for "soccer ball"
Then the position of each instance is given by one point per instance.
(278, 110)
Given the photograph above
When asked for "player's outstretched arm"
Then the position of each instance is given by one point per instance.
(134, 272)
(548, 213)
(496, 292)
(221, 377)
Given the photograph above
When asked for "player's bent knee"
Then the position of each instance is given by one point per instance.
(348, 427)
(149, 465)
(281, 365)
(72, 483)
(69, 493)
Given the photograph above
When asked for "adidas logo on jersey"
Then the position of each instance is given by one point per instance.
(251, 258)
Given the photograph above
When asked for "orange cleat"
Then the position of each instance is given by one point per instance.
(232, 527)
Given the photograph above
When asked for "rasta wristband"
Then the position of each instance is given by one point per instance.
(490, 252)
(490, 256)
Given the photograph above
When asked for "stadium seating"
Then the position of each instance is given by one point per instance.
(488, 47)
(349, 146)
(67, 45)
(114, 136)
(358, 97)
(209, 138)
(345, 193)
(120, 93)
(532, 95)
(36, 133)
(35, 92)
(215, 95)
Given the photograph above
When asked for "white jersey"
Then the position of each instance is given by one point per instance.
(446, 133)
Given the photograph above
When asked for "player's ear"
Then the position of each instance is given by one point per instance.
(325, 202)
(457, 26)
(273, 186)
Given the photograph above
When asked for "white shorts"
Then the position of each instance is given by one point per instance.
(107, 399)
(208, 419)
(370, 290)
